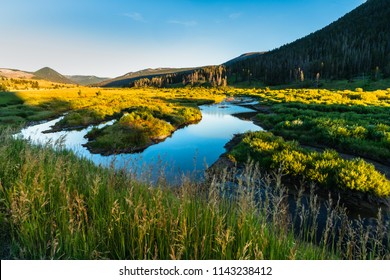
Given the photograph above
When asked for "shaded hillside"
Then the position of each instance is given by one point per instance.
(86, 80)
(51, 75)
(355, 45)
(164, 77)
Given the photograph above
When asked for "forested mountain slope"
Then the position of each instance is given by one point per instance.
(357, 44)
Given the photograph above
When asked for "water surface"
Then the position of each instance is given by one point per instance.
(188, 151)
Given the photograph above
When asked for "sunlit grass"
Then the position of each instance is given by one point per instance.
(56, 206)
(355, 122)
(103, 103)
(166, 110)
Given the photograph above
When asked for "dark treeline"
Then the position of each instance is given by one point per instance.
(212, 75)
(358, 44)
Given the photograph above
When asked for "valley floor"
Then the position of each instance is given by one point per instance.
(54, 205)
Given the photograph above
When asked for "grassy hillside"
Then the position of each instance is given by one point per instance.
(13, 73)
(18, 84)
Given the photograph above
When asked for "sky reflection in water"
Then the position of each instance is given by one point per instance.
(192, 148)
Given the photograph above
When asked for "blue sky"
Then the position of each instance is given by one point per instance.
(113, 37)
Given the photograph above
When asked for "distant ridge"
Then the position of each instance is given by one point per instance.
(356, 45)
(51, 75)
(86, 80)
(14, 73)
(128, 78)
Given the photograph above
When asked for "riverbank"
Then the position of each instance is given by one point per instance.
(57, 206)
(366, 203)
(382, 166)
(90, 212)
(188, 151)
(136, 131)
(292, 170)
(351, 122)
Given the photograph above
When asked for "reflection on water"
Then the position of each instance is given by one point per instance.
(192, 148)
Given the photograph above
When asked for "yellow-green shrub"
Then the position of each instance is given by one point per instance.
(362, 176)
(327, 169)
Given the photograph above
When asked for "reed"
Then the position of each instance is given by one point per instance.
(57, 206)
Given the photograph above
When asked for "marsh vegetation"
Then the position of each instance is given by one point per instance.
(55, 205)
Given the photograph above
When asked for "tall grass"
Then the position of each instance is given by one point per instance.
(56, 206)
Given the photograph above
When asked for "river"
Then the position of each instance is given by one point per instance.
(189, 151)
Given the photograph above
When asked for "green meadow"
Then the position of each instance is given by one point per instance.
(57, 206)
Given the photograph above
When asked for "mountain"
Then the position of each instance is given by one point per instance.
(129, 78)
(86, 80)
(14, 73)
(243, 57)
(51, 75)
(163, 77)
(358, 44)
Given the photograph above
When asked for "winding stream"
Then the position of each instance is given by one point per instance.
(188, 151)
